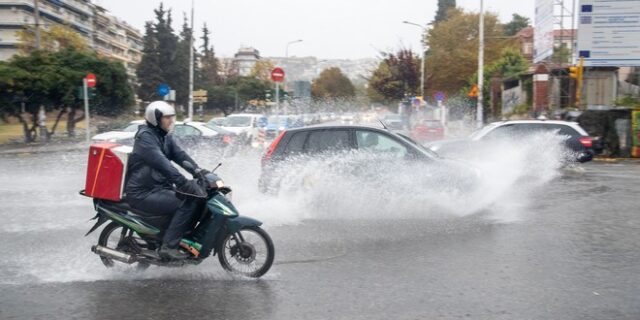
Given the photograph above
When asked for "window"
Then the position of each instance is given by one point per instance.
(378, 143)
(185, 131)
(327, 140)
(296, 143)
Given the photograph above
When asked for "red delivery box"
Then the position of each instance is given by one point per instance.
(106, 170)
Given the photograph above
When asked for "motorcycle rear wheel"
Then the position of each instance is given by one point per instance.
(249, 252)
(114, 240)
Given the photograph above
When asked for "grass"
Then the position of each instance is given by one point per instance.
(13, 132)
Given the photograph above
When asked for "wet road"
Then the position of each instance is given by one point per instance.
(574, 253)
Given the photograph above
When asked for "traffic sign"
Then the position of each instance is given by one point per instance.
(199, 93)
(91, 80)
(163, 89)
(439, 96)
(277, 74)
(473, 93)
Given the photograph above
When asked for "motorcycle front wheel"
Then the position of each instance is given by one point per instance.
(248, 252)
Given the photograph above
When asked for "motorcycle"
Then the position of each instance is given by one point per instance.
(132, 237)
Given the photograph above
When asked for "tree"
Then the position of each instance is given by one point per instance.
(516, 24)
(453, 50)
(262, 70)
(58, 37)
(150, 74)
(443, 9)
(332, 83)
(209, 65)
(178, 71)
(396, 76)
(52, 79)
(232, 96)
(510, 63)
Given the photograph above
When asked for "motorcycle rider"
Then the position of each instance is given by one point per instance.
(151, 176)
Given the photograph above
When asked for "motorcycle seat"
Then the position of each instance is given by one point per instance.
(124, 206)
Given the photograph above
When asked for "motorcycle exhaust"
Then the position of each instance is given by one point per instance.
(113, 254)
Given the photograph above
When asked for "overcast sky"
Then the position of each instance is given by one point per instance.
(330, 28)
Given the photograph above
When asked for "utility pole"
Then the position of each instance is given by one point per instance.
(191, 67)
(424, 54)
(480, 67)
(36, 14)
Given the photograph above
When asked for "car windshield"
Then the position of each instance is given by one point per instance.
(278, 119)
(482, 131)
(133, 127)
(419, 146)
(218, 121)
(238, 121)
(215, 128)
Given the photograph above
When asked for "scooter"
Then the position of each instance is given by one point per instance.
(132, 237)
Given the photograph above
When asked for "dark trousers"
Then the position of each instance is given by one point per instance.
(164, 202)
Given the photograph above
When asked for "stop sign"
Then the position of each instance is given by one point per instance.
(277, 75)
(91, 80)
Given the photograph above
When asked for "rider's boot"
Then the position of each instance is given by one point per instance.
(173, 254)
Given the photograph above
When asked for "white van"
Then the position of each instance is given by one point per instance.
(245, 125)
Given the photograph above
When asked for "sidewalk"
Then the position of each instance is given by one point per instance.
(42, 148)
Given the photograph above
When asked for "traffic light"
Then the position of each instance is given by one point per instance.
(574, 72)
(92, 92)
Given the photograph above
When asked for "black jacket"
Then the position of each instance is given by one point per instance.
(149, 166)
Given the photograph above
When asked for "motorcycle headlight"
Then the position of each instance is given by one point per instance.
(219, 184)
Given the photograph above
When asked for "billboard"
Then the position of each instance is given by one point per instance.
(609, 32)
(543, 30)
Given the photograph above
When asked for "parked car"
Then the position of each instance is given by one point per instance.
(246, 126)
(308, 142)
(349, 118)
(193, 133)
(280, 123)
(123, 135)
(578, 140)
(393, 121)
(218, 121)
(428, 130)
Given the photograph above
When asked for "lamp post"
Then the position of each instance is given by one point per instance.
(424, 52)
(479, 106)
(286, 58)
(286, 52)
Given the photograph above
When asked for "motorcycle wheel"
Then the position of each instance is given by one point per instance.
(111, 237)
(248, 252)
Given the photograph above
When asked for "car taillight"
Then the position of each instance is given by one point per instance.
(272, 148)
(226, 139)
(587, 142)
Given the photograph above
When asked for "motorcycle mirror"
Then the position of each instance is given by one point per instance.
(216, 168)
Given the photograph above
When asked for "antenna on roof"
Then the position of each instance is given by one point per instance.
(383, 125)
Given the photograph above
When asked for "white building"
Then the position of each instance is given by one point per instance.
(244, 60)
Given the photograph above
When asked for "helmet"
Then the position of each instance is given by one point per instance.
(156, 110)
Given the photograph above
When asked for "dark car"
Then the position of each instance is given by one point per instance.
(578, 141)
(310, 142)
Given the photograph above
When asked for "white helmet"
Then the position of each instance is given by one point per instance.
(156, 110)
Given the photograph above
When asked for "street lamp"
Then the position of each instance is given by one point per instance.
(424, 53)
(288, 44)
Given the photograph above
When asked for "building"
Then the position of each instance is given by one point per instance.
(561, 38)
(244, 60)
(106, 34)
(115, 39)
(16, 14)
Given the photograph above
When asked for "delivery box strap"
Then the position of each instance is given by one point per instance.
(95, 180)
